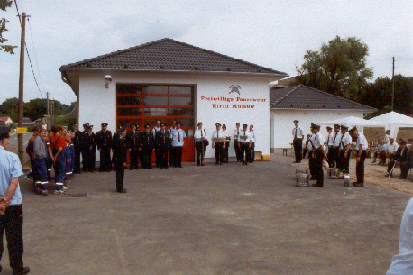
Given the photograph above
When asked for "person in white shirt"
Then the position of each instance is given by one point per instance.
(387, 137)
(402, 263)
(218, 146)
(200, 138)
(330, 145)
(252, 153)
(361, 149)
(227, 141)
(236, 146)
(318, 156)
(310, 150)
(171, 150)
(337, 140)
(392, 148)
(245, 144)
(298, 134)
(345, 152)
(177, 142)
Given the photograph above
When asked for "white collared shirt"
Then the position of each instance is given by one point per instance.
(177, 137)
(337, 138)
(361, 139)
(199, 134)
(392, 147)
(345, 140)
(330, 139)
(299, 132)
(319, 140)
(155, 129)
(219, 134)
(237, 133)
(386, 139)
(310, 143)
(247, 134)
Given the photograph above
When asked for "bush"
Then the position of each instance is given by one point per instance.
(64, 120)
(12, 125)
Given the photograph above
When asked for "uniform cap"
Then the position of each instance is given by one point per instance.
(104, 124)
(132, 125)
(90, 127)
(147, 126)
(199, 123)
(354, 129)
(344, 127)
(317, 127)
(218, 124)
(4, 132)
(336, 126)
(296, 121)
(85, 125)
(244, 125)
(237, 123)
(162, 124)
(329, 128)
(120, 130)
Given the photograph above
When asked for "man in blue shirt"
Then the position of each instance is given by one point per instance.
(177, 136)
(12, 220)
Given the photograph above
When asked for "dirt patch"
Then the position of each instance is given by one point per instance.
(374, 134)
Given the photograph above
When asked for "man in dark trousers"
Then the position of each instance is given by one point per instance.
(133, 141)
(120, 149)
(236, 144)
(361, 149)
(162, 144)
(401, 158)
(89, 143)
(77, 141)
(298, 134)
(104, 145)
(147, 144)
(318, 156)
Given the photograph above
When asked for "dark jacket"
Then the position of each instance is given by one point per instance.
(162, 140)
(89, 140)
(402, 156)
(104, 140)
(133, 140)
(147, 141)
(120, 148)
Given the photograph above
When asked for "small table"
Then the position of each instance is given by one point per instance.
(285, 150)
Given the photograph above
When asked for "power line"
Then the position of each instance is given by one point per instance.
(35, 55)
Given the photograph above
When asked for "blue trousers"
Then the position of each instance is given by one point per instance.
(60, 172)
(40, 165)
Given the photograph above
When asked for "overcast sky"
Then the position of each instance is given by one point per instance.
(272, 34)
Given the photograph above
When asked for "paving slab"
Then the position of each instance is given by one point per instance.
(228, 219)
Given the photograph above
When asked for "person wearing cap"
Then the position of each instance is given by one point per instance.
(120, 148)
(330, 146)
(11, 211)
(156, 129)
(133, 139)
(77, 142)
(298, 134)
(177, 136)
(104, 146)
(89, 143)
(172, 128)
(318, 156)
(401, 158)
(311, 151)
(336, 141)
(227, 141)
(252, 149)
(244, 142)
(218, 146)
(345, 150)
(236, 144)
(82, 146)
(57, 145)
(361, 150)
(162, 144)
(147, 142)
(200, 137)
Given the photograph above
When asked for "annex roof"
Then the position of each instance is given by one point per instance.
(303, 97)
(169, 55)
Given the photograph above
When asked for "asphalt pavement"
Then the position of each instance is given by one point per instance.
(229, 219)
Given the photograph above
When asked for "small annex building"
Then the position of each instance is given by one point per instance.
(170, 80)
(307, 105)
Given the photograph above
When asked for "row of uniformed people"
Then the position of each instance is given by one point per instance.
(244, 141)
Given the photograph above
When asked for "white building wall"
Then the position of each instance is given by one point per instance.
(97, 104)
(282, 123)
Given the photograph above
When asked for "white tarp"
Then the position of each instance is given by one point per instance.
(351, 121)
(393, 121)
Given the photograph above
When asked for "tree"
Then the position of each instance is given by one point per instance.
(35, 108)
(7, 48)
(9, 107)
(338, 68)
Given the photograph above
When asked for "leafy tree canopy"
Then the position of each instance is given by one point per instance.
(338, 68)
(7, 48)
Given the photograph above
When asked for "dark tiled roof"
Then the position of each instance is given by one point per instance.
(169, 55)
(303, 97)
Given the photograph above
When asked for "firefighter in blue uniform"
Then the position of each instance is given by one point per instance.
(89, 143)
(133, 141)
(77, 142)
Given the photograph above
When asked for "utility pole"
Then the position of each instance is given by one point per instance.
(48, 112)
(392, 87)
(20, 110)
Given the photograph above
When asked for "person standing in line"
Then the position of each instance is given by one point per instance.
(311, 152)
(336, 141)
(345, 150)
(361, 149)
(330, 145)
(218, 146)
(120, 148)
(200, 137)
(177, 141)
(147, 143)
(57, 145)
(252, 153)
(298, 134)
(83, 147)
(162, 143)
(41, 155)
(104, 146)
(236, 139)
(29, 151)
(11, 219)
(244, 142)
(171, 149)
(156, 129)
(305, 150)
(134, 147)
(318, 156)
(89, 141)
(227, 141)
(77, 142)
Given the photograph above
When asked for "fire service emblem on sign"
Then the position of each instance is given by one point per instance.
(235, 89)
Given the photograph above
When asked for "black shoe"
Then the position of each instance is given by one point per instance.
(25, 270)
(124, 190)
(316, 185)
(356, 184)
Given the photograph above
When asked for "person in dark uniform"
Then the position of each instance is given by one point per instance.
(330, 145)
(77, 141)
(336, 140)
(104, 146)
(236, 144)
(89, 142)
(147, 144)
(345, 149)
(318, 156)
(120, 148)
(227, 141)
(156, 129)
(218, 146)
(298, 134)
(82, 146)
(162, 143)
(133, 141)
(311, 152)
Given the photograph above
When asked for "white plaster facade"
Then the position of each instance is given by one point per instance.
(97, 104)
(282, 123)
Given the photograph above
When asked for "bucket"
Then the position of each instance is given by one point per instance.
(302, 180)
(346, 180)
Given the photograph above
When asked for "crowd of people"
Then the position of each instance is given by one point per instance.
(338, 147)
(63, 150)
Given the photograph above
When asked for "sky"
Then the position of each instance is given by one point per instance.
(274, 34)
